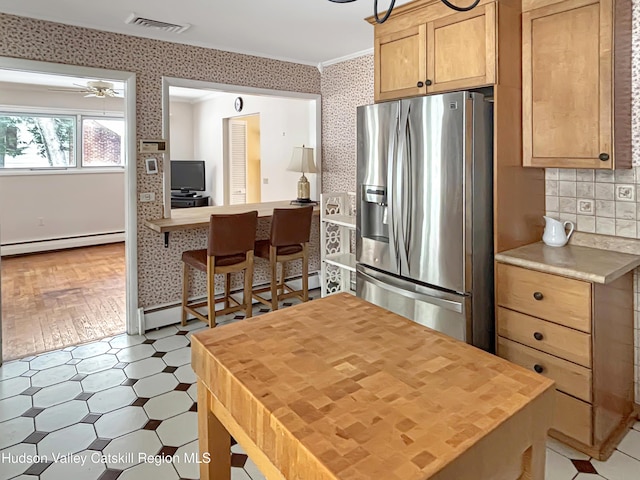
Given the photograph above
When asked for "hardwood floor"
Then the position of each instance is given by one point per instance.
(53, 300)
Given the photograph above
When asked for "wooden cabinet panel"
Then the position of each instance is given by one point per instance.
(461, 50)
(560, 341)
(400, 63)
(567, 85)
(557, 299)
(570, 378)
(572, 417)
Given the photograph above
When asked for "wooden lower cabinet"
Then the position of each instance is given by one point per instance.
(573, 418)
(588, 353)
(569, 377)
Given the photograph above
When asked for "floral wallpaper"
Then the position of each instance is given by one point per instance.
(344, 87)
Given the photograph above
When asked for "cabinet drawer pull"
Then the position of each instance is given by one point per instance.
(538, 368)
(428, 82)
(604, 157)
(538, 336)
(420, 84)
(538, 295)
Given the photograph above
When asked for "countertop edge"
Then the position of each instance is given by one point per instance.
(567, 272)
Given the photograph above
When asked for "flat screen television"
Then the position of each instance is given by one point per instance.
(187, 175)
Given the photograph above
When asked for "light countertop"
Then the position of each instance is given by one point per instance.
(582, 263)
(198, 217)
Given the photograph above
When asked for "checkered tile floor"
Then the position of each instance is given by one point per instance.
(112, 400)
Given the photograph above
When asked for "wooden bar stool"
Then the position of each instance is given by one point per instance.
(289, 240)
(230, 249)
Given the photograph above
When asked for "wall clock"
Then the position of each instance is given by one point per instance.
(238, 104)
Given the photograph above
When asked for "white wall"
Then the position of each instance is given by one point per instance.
(181, 130)
(284, 123)
(69, 204)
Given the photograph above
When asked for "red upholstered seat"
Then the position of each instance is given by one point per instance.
(261, 249)
(289, 240)
(198, 259)
(231, 239)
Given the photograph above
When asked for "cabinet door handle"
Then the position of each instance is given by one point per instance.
(538, 295)
(538, 336)
(420, 84)
(538, 368)
(428, 82)
(604, 157)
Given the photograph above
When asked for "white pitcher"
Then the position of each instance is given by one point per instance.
(555, 234)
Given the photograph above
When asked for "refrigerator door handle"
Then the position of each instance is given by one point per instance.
(394, 285)
(391, 204)
(407, 202)
(402, 193)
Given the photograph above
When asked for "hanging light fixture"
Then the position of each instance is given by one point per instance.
(393, 2)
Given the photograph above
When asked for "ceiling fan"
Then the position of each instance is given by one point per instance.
(97, 88)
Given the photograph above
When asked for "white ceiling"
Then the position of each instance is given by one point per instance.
(43, 79)
(303, 31)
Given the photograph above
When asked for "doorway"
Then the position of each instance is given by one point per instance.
(94, 144)
(243, 160)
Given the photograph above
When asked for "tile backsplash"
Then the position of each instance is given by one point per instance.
(603, 202)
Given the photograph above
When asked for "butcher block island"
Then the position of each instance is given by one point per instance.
(338, 388)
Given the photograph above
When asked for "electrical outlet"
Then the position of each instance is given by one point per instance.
(41, 221)
(147, 197)
(265, 181)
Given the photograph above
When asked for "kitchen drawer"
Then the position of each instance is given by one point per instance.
(572, 417)
(549, 337)
(554, 298)
(569, 377)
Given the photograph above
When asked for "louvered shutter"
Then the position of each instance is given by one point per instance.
(238, 162)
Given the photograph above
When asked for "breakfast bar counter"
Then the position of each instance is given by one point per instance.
(338, 388)
(198, 217)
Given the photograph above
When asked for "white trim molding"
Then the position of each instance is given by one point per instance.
(61, 243)
(351, 56)
(171, 313)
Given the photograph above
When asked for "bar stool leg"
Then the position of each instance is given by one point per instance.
(185, 292)
(305, 273)
(227, 290)
(211, 291)
(274, 278)
(248, 283)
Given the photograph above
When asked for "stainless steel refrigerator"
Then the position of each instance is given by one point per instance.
(424, 228)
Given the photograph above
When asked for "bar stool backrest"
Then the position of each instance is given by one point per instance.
(232, 234)
(291, 226)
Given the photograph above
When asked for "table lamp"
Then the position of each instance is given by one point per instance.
(302, 161)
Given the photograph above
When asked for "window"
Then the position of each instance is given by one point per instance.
(37, 141)
(41, 141)
(102, 142)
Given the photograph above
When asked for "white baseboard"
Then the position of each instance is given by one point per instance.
(170, 314)
(61, 244)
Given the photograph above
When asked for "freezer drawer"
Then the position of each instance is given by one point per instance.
(445, 312)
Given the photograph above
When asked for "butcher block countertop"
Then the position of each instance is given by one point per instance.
(338, 388)
(582, 263)
(198, 217)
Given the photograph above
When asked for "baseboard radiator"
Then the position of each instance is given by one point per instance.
(171, 313)
(20, 248)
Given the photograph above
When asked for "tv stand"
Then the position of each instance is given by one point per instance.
(184, 194)
(183, 201)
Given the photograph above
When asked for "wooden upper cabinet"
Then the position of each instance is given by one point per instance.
(400, 63)
(426, 47)
(461, 50)
(572, 92)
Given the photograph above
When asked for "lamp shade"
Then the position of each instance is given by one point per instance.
(302, 160)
